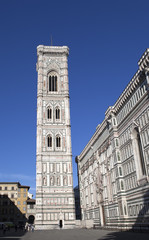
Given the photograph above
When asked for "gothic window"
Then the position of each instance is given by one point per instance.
(49, 113)
(122, 185)
(138, 152)
(58, 141)
(120, 171)
(118, 156)
(57, 113)
(53, 83)
(49, 141)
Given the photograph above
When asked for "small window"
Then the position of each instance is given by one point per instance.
(57, 112)
(49, 113)
(5, 188)
(58, 142)
(18, 202)
(118, 156)
(24, 208)
(0, 188)
(120, 171)
(12, 188)
(122, 185)
(49, 141)
(12, 195)
(24, 203)
(24, 194)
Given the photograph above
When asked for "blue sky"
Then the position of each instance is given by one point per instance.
(106, 39)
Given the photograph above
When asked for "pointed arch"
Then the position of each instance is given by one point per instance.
(58, 141)
(138, 152)
(57, 113)
(49, 141)
(53, 81)
(49, 113)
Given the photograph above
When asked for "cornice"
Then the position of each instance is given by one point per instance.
(41, 49)
(98, 132)
(144, 60)
(135, 81)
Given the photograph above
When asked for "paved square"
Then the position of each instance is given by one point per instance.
(84, 234)
(74, 234)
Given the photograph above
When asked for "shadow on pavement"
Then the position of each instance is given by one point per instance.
(84, 234)
(125, 236)
(12, 234)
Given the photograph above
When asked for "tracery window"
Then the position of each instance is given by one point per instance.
(49, 141)
(49, 113)
(53, 83)
(58, 141)
(57, 113)
(138, 153)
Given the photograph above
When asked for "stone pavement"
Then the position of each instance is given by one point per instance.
(77, 234)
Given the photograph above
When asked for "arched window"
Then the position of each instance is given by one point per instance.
(122, 185)
(138, 153)
(57, 113)
(49, 113)
(53, 83)
(118, 156)
(120, 171)
(58, 141)
(49, 141)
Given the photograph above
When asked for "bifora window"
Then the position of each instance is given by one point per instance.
(57, 112)
(49, 141)
(49, 113)
(53, 83)
(58, 141)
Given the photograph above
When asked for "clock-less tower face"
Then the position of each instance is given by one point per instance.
(54, 183)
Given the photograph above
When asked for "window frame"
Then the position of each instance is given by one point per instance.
(52, 82)
(57, 114)
(49, 143)
(58, 142)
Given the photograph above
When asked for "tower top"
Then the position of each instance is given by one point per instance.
(52, 49)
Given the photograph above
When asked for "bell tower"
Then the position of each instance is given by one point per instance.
(54, 181)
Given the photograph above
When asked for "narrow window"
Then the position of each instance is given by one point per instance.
(50, 83)
(55, 84)
(138, 152)
(49, 141)
(118, 156)
(57, 113)
(58, 142)
(122, 185)
(120, 171)
(49, 113)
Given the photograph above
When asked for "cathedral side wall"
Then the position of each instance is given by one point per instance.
(113, 168)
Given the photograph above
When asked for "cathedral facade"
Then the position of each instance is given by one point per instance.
(113, 168)
(54, 182)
